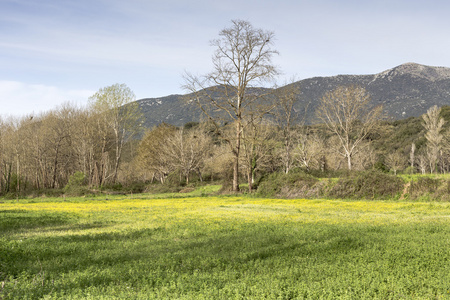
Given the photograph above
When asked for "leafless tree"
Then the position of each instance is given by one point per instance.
(258, 147)
(433, 123)
(412, 159)
(422, 161)
(347, 114)
(365, 157)
(186, 151)
(285, 118)
(395, 161)
(243, 58)
(309, 149)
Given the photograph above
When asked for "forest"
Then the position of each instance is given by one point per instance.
(103, 147)
(245, 135)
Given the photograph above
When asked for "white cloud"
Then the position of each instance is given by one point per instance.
(19, 99)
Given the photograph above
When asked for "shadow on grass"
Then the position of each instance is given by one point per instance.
(12, 221)
(157, 257)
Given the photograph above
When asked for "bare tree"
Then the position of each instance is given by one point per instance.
(310, 149)
(365, 157)
(412, 159)
(258, 148)
(347, 114)
(285, 117)
(243, 57)
(186, 151)
(89, 145)
(422, 161)
(433, 123)
(395, 161)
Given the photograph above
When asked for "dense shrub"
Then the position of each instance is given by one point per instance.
(159, 188)
(327, 173)
(76, 185)
(371, 184)
(427, 188)
(295, 184)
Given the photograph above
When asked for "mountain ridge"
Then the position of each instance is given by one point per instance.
(406, 90)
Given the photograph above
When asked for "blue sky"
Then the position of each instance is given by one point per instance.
(56, 51)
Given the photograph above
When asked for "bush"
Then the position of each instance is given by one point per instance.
(295, 184)
(371, 184)
(427, 188)
(327, 173)
(136, 187)
(76, 185)
(160, 188)
(409, 170)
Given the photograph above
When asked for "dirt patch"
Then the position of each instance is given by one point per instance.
(405, 190)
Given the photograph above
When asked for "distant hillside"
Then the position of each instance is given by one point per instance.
(171, 109)
(405, 91)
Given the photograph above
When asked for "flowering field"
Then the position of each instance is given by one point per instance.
(224, 248)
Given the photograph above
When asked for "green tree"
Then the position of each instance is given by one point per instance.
(117, 109)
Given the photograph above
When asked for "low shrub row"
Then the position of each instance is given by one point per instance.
(372, 184)
(427, 188)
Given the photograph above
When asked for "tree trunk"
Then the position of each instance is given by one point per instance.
(8, 179)
(18, 175)
(55, 167)
(119, 144)
(249, 180)
(288, 158)
(236, 157)
(236, 173)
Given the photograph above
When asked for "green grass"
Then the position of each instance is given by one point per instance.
(223, 248)
(417, 176)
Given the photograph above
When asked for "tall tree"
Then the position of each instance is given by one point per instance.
(116, 107)
(347, 114)
(285, 116)
(243, 57)
(433, 123)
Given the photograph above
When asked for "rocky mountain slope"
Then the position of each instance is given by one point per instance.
(404, 91)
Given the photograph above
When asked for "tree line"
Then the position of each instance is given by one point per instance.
(42, 151)
(246, 133)
(109, 146)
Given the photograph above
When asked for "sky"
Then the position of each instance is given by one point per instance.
(62, 51)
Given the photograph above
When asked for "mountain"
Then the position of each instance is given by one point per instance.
(404, 91)
(172, 109)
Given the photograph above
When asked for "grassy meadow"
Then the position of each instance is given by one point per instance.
(224, 247)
